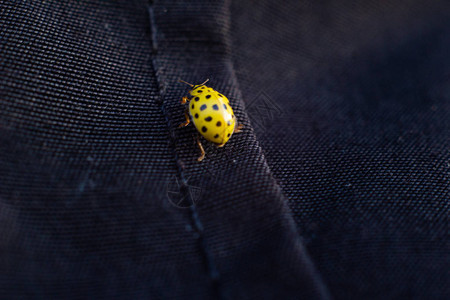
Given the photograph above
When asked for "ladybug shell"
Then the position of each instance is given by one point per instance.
(211, 114)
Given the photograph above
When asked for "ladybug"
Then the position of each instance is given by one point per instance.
(211, 113)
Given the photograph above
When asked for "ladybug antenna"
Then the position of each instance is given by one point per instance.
(182, 81)
(205, 81)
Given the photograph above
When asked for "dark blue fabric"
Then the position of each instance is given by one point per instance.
(91, 152)
(336, 188)
(359, 136)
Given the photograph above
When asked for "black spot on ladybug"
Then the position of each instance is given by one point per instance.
(220, 95)
(208, 119)
(203, 107)
(218, 124)
(204, 129)
(196, 116)
(192, 106)
(215, 107)
(197, 98)
(225, 106)
(199, 91)
(229, 123)
(202, 87)
(208, 96)
(216, 136)
(228, 135)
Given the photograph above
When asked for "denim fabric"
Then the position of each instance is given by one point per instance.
(339, 192)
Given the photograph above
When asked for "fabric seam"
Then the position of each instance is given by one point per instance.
(319, 278)
(195, 219)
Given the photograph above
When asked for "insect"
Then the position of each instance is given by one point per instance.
(211, 113)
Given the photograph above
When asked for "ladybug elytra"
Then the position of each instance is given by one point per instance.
(211, 113)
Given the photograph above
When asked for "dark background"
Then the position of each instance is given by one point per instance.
(336, 188)
(361, 146)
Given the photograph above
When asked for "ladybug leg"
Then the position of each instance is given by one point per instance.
(237, 128)
(202, 156)
(184, 100)
(188, 120)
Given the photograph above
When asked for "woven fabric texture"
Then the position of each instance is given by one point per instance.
(91, 148)
(337, 187)
(358, 135)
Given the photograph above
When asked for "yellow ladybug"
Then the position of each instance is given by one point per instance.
(211, 113)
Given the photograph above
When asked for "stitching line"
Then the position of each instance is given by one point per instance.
(198, 226)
